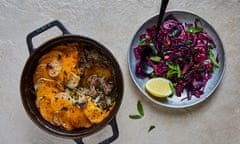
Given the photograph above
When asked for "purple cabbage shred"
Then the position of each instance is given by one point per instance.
(188, 50)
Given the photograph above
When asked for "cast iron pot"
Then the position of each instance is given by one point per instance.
(26, 85)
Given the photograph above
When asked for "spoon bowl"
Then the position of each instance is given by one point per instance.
(146, 68)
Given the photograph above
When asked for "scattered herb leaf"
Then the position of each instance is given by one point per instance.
(140, 108)
(188, 43)
(140, 111)
(155, 58)
(153, 48)
(213, 60)
(141, 114)
(210, 46)
(174, 70)
(194, 30)
(172, 88)
(142, 41)
(135, 116)
(179, 72)
(151, 128)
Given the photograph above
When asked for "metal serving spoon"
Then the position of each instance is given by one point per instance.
(147, 50)
(146, 68)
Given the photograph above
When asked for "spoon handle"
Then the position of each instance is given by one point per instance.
(160, 17)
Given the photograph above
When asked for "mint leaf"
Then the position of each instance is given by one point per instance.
(194, 30)
(212, 59)
(151, 128)
(155, 58)
(135, 116)
(140, 108)
(172, 88)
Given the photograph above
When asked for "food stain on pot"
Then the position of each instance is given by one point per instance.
(75, 86)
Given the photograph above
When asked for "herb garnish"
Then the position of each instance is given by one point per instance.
(194, 30)
(174, 69)
(140, 115)
(140, 111)
(135, 116)
(151, 128)
(155, 58)
(140, 108)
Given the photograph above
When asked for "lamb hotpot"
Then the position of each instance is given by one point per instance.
(26, 85)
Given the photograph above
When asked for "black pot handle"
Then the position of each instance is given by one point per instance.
(115, 135)
(42, 29)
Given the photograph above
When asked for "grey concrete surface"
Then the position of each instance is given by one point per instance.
(113, 23)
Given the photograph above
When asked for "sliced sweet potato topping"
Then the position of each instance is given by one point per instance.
(48, 88)
(95, 114)
(64, 117)
(58, 63)
(70, 51)
(69, 62)
(41, 72)
(46, 111)
(60, 101)
(78, 118)
(67, 48)
(50, 56)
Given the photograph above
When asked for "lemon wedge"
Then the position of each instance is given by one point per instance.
(159, 87)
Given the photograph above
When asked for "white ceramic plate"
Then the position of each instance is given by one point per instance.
(174, 101)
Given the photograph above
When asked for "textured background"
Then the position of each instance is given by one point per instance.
(113, 23)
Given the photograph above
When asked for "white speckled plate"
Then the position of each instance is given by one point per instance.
(174, 101)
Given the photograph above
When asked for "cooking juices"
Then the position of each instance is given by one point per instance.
(74, 86)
